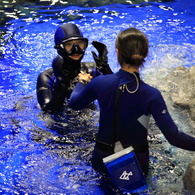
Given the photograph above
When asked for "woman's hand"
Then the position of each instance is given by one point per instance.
(84, 77)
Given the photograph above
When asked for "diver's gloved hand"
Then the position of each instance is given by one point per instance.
(102, 59)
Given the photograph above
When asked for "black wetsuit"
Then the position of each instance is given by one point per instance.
(56, 84)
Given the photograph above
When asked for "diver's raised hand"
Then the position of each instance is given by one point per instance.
(101, 59)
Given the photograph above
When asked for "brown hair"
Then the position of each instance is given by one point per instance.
(132, 47)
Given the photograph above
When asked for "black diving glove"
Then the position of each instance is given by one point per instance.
(102, 59)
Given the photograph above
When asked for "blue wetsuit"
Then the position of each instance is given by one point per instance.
(134, 112)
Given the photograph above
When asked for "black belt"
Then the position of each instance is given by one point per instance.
(138, 148)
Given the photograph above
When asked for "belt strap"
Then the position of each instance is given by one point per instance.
(105, 147)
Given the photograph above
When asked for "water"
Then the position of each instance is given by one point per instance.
(44, 154)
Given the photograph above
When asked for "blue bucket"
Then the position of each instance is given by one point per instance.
(125, 171)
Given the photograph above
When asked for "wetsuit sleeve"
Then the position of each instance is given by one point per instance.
(50, 94)
(168, 127)
(82, 96)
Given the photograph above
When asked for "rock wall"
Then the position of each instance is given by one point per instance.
(178, 88)
(183, 81)
(189, 178)
(182, 85)
(177, 85)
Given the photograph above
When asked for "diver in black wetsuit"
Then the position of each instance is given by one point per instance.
(57, 83)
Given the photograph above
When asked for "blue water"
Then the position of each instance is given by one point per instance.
(44, 154)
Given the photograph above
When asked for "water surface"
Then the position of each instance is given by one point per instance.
(45, 154)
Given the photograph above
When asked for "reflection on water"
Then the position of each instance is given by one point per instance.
(45, 154)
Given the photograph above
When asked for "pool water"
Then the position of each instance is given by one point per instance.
(45, 154)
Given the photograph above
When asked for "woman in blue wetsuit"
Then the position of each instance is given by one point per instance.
(137, 102)
(56, 83)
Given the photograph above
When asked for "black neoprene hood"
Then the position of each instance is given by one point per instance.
(67, 32)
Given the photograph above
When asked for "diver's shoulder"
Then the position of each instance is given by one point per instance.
(152, 89)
